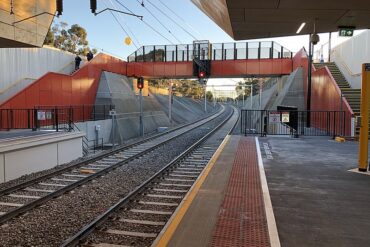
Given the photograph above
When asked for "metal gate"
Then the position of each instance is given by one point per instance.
(295, 123)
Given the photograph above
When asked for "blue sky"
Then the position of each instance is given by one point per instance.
(105, 33)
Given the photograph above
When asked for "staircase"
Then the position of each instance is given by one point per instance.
(353, 96)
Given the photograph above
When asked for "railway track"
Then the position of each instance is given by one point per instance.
(25, 196)
(138, 218)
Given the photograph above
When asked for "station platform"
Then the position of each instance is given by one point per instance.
(12, 134)
(275, 191)
(25, 152)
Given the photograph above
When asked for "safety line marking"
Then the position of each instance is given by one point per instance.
(271, 223)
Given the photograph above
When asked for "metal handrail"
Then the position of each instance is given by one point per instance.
(160, 55)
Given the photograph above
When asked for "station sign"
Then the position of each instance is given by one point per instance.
(41, 115)
(346, 32)
(274, 117)
(367, 66)
(48, 115)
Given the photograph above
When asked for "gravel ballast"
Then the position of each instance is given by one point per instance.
(55, 221)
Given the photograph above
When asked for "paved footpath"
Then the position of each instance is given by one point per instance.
(317, 202)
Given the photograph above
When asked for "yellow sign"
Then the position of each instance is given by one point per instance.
(285, 117)
(128, 41)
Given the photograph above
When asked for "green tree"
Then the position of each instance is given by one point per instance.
(209, 95)
(73, 39)
(49, 39)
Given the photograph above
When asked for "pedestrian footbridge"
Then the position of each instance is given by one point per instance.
(241, 59)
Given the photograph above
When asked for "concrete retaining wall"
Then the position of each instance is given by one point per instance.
(117, 90)
(26, 155)
(185, 109)
(90, 129)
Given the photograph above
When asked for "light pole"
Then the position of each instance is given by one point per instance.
(260, 82)
(205, 94)
(141, 112)
(170, 101)
(205, 98)
(243, 88)
(250, 95)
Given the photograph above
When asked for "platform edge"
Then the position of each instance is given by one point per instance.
(166, 234)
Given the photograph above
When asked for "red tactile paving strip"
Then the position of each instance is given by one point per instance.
(242, 219)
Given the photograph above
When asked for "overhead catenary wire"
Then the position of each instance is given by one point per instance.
(174, 21)
(159, 21)
(124, 30)
(106, 51)
(146, 23)
(178, 16)
(128, 28)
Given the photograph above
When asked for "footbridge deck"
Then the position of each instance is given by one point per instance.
(239, 59)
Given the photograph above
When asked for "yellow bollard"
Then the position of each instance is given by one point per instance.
(364, 128)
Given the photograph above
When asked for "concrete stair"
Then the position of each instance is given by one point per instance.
(353, 96)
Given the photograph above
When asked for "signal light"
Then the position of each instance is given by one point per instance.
(140, 83)
(59, 7)
(93, 6)
(202, 74)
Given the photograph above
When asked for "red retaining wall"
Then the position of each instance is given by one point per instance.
(325, 94)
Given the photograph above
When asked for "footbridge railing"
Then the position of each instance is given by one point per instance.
(272, 122)
(217, 51)
(52, 117)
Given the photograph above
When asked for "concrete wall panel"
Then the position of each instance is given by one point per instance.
(69, 150)
(37, 153)
(27, 33)
(2, 169)
(30, 160)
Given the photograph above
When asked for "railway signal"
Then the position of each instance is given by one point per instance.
(93, 6)
(140, 83)
(202, 74)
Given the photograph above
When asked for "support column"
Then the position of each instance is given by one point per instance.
(309, 78)
(364, 118)
(329, 48)
(141, 113)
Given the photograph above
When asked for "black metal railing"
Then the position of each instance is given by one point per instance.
(52, 117)
(270, 122)
(217, 51)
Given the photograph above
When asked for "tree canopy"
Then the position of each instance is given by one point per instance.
(72, 39)
(188, 88)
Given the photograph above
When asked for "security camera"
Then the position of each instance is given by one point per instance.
(315, 38)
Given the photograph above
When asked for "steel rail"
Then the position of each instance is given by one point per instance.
(85, 231)
(20, 210)
(96, 158)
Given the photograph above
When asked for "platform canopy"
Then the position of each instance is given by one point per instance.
(28, 33)
(250, 19)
